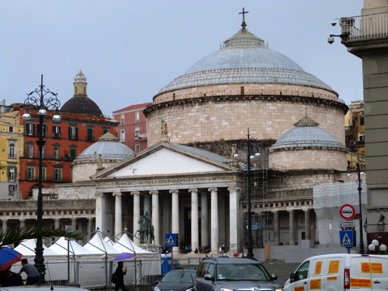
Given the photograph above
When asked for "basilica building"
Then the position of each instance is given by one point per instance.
(244, 130)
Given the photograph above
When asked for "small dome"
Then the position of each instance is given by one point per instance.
(109, 147)
(307, 134)
(244, 58)
(80, 103)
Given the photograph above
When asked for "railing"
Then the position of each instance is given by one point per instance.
(364, 26)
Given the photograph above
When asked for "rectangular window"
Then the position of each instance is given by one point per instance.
(73, 132)
(11, 174)
(30, 128)
(122, 119)
(11, 129)
(137, 148)
(122, 135)
(30, 150)
(105, 130)
(56, 131)
(56, 152)
(11, 190)
(30, 173)
(73, 154)
(137, 117)
(90, 134)
(57, 175)
(11, 149)
(44, 173)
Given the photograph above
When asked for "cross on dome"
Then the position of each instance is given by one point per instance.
(243, 14)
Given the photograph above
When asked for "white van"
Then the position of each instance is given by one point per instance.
(340, 272)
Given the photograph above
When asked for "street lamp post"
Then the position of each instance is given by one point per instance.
(41, 99)
(250, 246)
(359, 188)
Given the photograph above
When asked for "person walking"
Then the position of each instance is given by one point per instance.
(32, 272)
(119, 276)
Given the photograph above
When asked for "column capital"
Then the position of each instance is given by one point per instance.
(213, 189)
(118, 194)
(135, 193)
(191, 190)
(233, 188)
(99, 194)
(154, 192)
(174, 191)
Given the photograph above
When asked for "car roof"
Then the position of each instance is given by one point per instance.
(184, 270)
(231, 260)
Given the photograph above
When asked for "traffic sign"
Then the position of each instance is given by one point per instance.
(348, 238)
(347, 212)
(347, 225)
(171, 240)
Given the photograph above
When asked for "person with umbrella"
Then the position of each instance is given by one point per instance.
(9, 278)
(119, 276)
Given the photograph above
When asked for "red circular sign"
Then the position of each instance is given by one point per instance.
(347, 211)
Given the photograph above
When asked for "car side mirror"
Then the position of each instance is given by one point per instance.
(293, 277)
(274, 277)
(207, 277)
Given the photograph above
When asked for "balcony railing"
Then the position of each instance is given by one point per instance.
(364, 26)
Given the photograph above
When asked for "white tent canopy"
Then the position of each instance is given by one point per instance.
(98, 246)
(125, 244)
(61, 247)
(27, 248)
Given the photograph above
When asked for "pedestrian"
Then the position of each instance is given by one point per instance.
(32, 272)
(119, 276)
(10, 278)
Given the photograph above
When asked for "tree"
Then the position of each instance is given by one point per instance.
(16, 236)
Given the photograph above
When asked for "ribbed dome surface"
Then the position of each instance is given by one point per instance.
(307, 134)
(244, 59)
(109, 147)
(81, 105)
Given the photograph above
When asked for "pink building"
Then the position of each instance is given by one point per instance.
(132, 128)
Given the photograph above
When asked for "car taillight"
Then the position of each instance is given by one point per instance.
(346, 279)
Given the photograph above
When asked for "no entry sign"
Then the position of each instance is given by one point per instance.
(347, 212)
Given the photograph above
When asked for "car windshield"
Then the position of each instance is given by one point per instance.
(178, 277)
(242, 272)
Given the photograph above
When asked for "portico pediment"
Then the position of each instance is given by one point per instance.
(167, 159)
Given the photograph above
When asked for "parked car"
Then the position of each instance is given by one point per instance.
(177, 280)
(340, 272)
(216, 274)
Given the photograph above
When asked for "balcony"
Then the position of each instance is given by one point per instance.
(364, 27)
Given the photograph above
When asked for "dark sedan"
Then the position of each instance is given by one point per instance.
(177, 280)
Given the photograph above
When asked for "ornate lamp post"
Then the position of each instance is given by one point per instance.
(41, 99)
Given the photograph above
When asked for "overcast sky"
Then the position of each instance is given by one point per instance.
(130, 49)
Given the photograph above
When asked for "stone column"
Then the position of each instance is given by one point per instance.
(74, 224)
(214, 220)
(175, 214)
(204, 220)
(99, 209)
(90, 228)
(136, 215)
(57, 223)
(234, 237)
(194, 219)
(118, 228)
(22, 223)
(4, 226)
(291, 215)
(276, 229)
(307, 224)
(155, 215)
(147, 204)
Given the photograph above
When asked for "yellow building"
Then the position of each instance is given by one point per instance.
(11, 149)
(355, 128)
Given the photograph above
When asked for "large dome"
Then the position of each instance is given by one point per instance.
(244, 58)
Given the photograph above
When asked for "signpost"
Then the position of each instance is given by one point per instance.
(170, 241)
(69, 229)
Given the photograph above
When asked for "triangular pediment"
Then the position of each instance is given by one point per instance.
(168, 159)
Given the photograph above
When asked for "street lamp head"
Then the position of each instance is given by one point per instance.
(56, 116)
(371, 247)
(383, 247)
(42, 111)
(26, 116)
